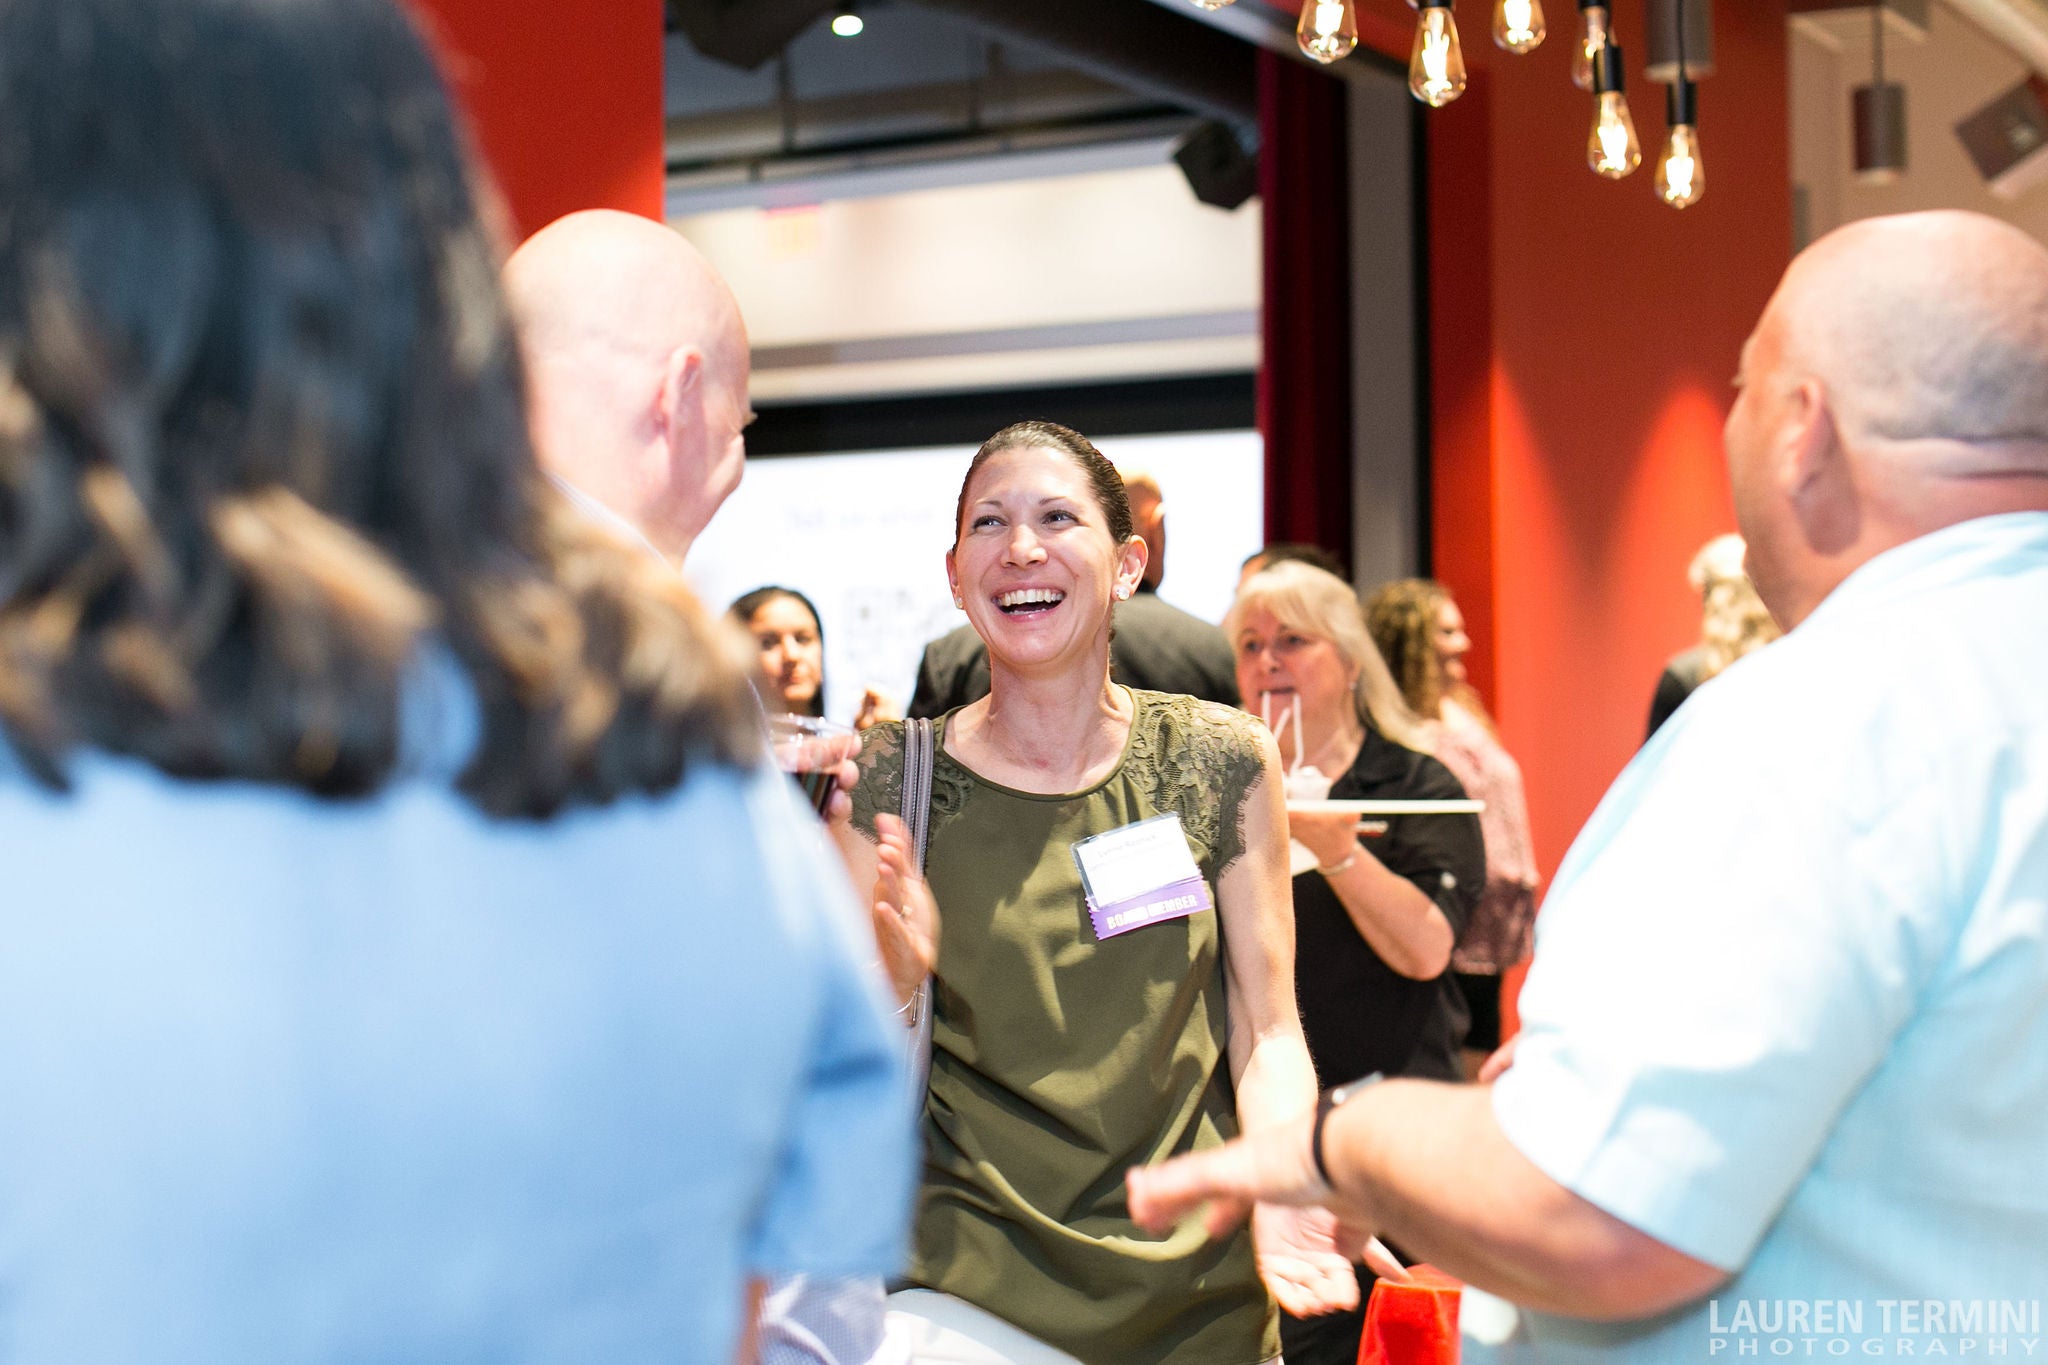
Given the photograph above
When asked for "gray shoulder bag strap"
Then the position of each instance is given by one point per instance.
(919, 753)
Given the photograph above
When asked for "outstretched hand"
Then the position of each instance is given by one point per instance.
(1272, 1167)
(905, 917)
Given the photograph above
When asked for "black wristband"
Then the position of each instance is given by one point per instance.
(1326, 1104)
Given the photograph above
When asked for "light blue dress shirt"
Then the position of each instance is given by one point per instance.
(1789, 1008)
(284, 1080)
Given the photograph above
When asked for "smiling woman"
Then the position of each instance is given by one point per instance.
(1073, 1034)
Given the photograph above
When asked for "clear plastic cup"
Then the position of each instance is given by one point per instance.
(810, 749)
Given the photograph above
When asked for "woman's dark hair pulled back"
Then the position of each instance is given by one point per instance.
(262, 427)
(1103, 479)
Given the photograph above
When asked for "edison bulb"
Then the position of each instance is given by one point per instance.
(1211, 4)
(1436, 68)
(1328, 29)
(1518, 25)
(1681, 176)
(1612, 150)
(1592, 37)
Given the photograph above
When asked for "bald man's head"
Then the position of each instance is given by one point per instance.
(1925, 326)
(638, 369)
(1896, 384)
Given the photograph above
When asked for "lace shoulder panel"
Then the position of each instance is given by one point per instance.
(1203, 759)
(880, 789)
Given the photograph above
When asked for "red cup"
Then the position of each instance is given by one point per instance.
(1414, 1323)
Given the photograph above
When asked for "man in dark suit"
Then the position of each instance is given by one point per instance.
(1157, 646)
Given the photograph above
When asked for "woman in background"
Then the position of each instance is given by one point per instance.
(1733, 622)
(1421, 632)
(391, 877)
(1375, 920)
(789, 641)
(790, 648)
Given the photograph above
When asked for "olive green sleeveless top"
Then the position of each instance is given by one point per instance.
(1060, 1060)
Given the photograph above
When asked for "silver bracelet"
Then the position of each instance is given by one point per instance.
(1334, 869)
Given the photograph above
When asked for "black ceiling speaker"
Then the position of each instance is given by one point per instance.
(2008, 139)
(1218, 168)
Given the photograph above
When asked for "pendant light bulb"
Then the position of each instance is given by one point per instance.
(1593, 33)
(846, 21)
(1611, 149)
(1436, 68)
(1681, 175)
(1211, 4)
(1328, 29)
(1518, 25)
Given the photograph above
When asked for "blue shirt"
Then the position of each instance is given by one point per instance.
(291, 1080)
(1789, 1009)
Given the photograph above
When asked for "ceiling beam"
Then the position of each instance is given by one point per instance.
(1145, 48)
(1271, 26)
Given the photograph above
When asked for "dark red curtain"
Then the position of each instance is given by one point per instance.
(1304, 392)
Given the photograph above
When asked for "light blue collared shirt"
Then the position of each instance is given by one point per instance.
(290, 1080)
(1789, 1008)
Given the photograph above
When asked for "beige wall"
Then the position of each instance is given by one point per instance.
(1112, 274)
(1955, 72)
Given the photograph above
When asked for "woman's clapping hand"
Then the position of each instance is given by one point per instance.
(906, 920)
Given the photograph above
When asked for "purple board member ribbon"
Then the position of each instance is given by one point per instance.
(1178, 901)
(1142, 873)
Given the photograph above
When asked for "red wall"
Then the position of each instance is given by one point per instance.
(1582, 337)
(1573, 486)
(565, 100)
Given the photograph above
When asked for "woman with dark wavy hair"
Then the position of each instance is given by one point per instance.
(389, 875)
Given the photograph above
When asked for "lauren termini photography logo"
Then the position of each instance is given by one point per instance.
(1893, 1329)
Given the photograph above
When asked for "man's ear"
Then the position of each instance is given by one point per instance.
(675, 403)
(1814, 471)
(1809, 441)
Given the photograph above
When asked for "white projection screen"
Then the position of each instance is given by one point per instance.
(864, 537)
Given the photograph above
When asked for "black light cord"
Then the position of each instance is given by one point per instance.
(1681, 42)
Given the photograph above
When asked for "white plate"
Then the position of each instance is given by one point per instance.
(1386, 807)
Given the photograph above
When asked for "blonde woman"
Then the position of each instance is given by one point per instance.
(1733, 622)
(1375, 920)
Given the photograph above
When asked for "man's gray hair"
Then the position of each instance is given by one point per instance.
(1927, 327)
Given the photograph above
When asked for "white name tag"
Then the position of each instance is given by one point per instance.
(1141, 874)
